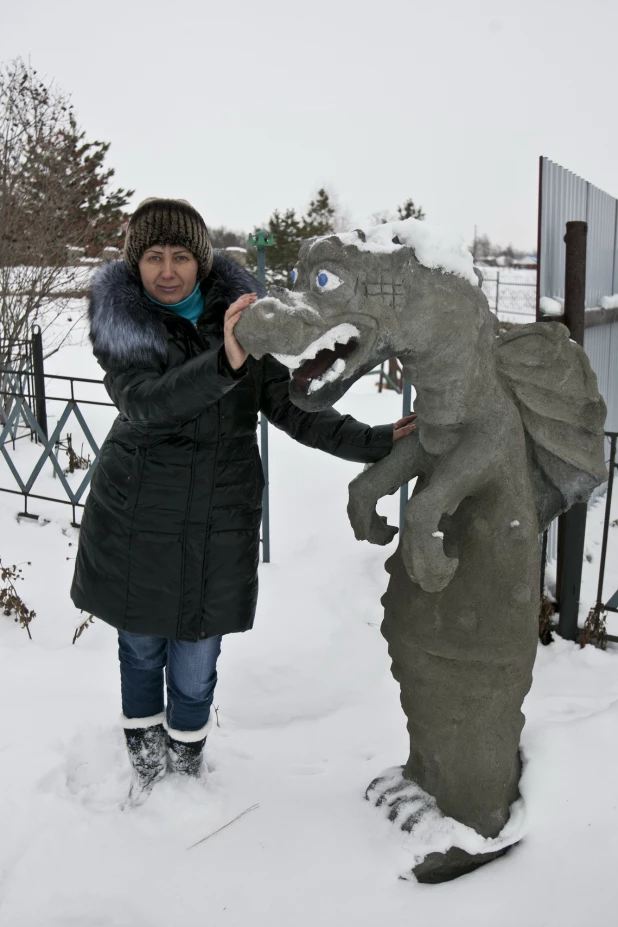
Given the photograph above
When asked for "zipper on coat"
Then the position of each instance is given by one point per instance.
(207, 538)
(184, 528)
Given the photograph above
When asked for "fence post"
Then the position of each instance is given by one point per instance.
(39, 379)
(497, 291)
(261, 242)
(403, 492)
(572, 525)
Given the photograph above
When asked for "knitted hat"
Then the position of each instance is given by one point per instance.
(167, 222)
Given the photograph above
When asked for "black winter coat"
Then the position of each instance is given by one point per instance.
(169, 539)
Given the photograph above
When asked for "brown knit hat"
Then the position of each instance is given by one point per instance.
(167, 222)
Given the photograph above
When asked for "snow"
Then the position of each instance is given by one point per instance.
(333, 373)
(339, 334)
(294, 303)
(555, 306)
(309, 714)
(435, 833)
(514, 524)
(549, 306)
(437, 534)
(434, 247)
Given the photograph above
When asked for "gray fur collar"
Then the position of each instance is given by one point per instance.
(127, 330)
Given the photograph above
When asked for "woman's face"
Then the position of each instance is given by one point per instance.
(168, 272)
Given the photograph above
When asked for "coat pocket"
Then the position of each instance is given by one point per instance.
(154, 582)
(134, 477)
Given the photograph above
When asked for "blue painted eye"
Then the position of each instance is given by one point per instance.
(326, 280)
(293, 276)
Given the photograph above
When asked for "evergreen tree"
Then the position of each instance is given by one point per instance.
(289, 231)
(56, 205)
(65, 198)
(320, 216)
(408, 210)
(55, 192)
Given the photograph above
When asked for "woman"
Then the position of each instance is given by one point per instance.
(169, 542)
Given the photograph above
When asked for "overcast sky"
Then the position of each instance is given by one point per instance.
(243, 107)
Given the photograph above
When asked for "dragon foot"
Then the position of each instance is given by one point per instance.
(368, 525)
(416, 813)
(426, 562)
(402, 799)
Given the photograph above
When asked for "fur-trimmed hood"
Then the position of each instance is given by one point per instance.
(127, 329)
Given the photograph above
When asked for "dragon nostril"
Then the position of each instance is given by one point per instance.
(265, 312)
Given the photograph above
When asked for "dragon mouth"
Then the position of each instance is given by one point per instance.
(324, 360)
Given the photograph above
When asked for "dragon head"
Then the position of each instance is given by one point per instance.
(345, 311)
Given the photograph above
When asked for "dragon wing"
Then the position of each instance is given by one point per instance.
(562, 412)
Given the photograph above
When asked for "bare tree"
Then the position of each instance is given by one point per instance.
(222, 237)
(55, 209)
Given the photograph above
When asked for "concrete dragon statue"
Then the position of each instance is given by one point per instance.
(510, 433)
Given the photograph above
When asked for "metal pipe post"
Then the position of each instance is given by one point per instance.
(606, 521)
(39, 379)
(575, 279)
(261, 242)
(572, 525)
(403, 492)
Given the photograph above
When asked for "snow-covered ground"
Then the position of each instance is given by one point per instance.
(309, 714)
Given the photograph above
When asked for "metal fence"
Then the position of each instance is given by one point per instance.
(564, 197)
(605, 604)
(26, 417)
(26, 404)
(511, 294)
(601, 346)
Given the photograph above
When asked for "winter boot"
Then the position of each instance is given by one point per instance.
(186, 750)
(147, 747)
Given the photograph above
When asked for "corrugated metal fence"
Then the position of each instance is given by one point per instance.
(563, 197)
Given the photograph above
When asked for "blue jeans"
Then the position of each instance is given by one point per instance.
(190, 673)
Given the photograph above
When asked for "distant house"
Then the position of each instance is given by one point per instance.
(527, 262)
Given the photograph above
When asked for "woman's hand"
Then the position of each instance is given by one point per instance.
(236, 354)
(405, 426)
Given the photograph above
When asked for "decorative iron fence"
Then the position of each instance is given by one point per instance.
(603, 605)
(511, 294)
(27, 418)
(25, 405)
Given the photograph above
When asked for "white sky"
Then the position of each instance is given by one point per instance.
(243, 107)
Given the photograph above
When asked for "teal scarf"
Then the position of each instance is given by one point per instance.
(190, 308)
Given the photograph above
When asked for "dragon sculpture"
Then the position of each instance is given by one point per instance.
(510, 434)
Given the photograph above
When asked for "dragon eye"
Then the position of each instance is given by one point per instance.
(327, 281)
(293, 276)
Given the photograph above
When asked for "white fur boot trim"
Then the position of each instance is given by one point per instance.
(134, 724)
(191, 737)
